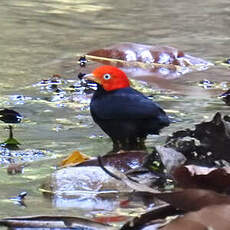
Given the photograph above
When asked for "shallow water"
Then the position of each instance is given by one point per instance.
(41, 38)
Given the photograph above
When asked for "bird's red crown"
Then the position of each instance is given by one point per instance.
(109, 77)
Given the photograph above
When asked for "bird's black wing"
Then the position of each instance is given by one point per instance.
(125, 104)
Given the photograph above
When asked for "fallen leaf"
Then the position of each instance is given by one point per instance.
(192, 176)
(142, 221)
(180, 223)
(202, 206)
(193, 199)
(123, 161)
(208, 142)
(74, 158)
(211, 217)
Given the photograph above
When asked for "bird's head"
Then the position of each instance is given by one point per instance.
(109, 77)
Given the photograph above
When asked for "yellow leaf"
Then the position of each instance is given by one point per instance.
(74, 158)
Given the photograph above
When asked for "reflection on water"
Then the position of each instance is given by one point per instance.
(42, 38)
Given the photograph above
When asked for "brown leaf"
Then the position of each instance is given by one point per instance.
(201, 202)
(180, 223)
(212, 217)
(192, 176)
(123, 161)
(193, 199)
(158, 212)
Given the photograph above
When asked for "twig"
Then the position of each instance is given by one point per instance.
(106, 170)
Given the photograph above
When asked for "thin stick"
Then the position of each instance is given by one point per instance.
(145, 65)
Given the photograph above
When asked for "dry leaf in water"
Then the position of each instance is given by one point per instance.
(74, 158)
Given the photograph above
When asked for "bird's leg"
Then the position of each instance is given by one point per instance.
(116, 145)
(133, 144)
(124, 144)
(141, 143)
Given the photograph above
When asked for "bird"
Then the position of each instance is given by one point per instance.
(126, 115)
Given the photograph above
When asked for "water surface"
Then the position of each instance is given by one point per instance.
(41, 38)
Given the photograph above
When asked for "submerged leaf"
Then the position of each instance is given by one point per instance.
(162, 61)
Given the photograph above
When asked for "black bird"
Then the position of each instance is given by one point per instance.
(122, 112)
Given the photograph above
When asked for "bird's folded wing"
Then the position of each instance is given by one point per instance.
(122, 106)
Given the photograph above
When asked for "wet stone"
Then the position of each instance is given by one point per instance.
(86, 178)
(87, 187)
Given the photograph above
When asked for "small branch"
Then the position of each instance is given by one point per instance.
(106, 170)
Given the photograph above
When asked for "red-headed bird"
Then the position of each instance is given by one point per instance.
(122, 112)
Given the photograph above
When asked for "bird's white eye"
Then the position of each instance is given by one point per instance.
(107, 76)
